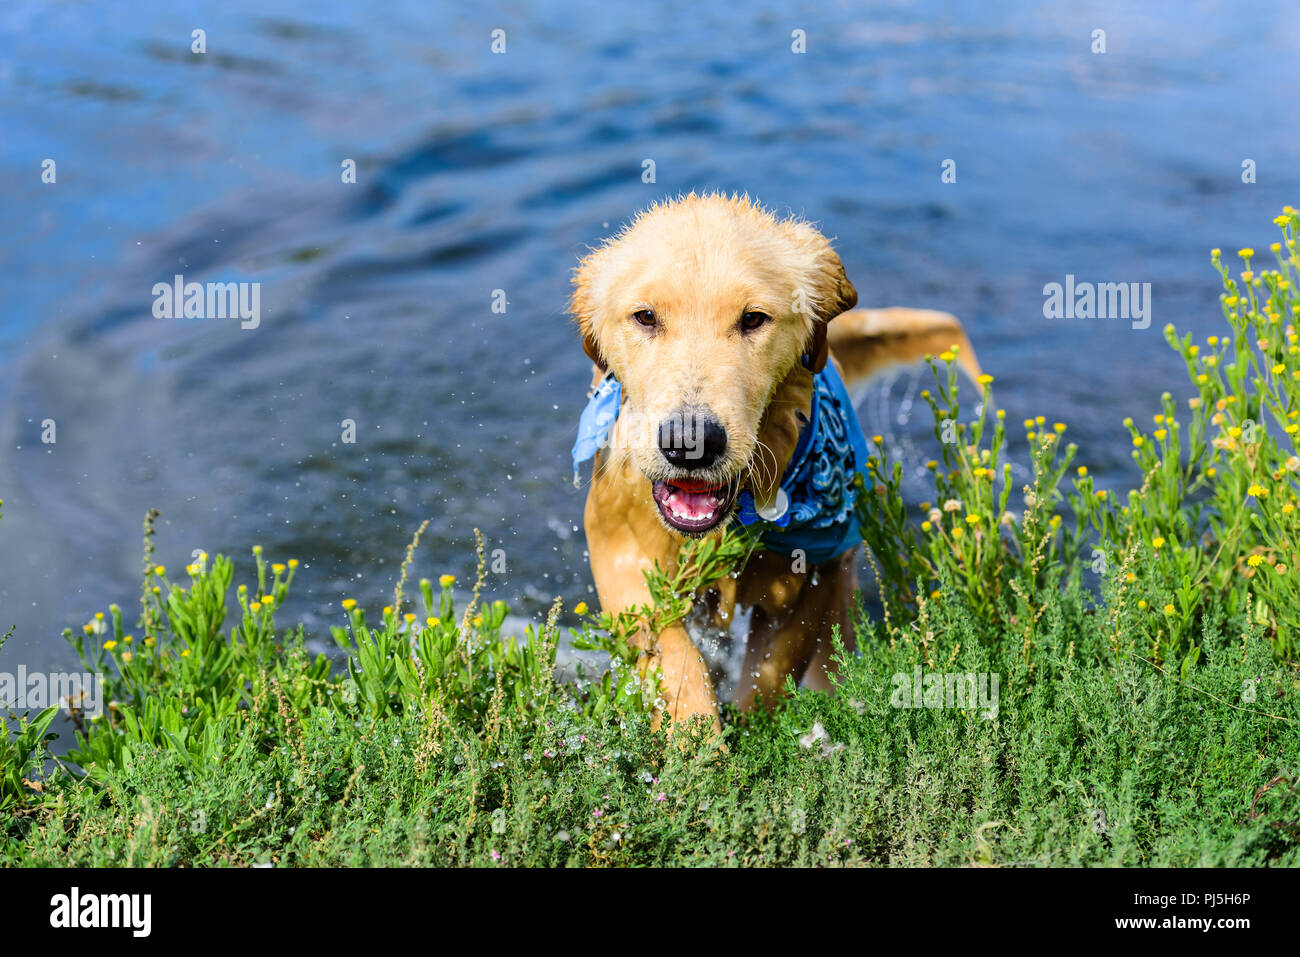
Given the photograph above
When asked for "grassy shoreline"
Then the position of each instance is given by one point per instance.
(1091, 760)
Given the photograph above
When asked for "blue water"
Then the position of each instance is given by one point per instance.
(479, 172)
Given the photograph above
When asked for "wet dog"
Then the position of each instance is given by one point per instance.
(724, 338)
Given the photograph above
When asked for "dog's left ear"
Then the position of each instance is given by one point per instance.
(832, 295)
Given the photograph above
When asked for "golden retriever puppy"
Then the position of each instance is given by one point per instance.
(722, 338)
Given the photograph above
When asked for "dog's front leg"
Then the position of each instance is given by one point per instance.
(685, 684)
(623, 548)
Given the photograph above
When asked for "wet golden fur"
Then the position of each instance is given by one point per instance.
(699, 263)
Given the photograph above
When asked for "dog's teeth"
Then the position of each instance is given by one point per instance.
(681, 506)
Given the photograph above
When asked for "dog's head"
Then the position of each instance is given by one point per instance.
(702, 307)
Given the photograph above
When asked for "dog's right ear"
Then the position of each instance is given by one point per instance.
(590, 347)
(581, 308)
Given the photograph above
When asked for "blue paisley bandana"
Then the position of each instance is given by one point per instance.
(820, 519)
(596, 422)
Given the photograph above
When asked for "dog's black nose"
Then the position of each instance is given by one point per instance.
(692, 440)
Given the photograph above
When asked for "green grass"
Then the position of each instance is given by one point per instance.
(1153, 720)
(1091, 760)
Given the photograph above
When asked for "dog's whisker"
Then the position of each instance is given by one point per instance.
(774, 466)
(769, 474)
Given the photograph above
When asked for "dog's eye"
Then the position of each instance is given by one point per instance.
(752, 320)
(645, 317)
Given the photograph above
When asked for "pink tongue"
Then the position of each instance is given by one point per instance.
(692, 505)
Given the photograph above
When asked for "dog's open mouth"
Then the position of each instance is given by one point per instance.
(693, 506)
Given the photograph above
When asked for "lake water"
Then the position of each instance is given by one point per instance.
(479, 171)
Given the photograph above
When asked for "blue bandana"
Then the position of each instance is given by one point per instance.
(819, 519)
(596, 421)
